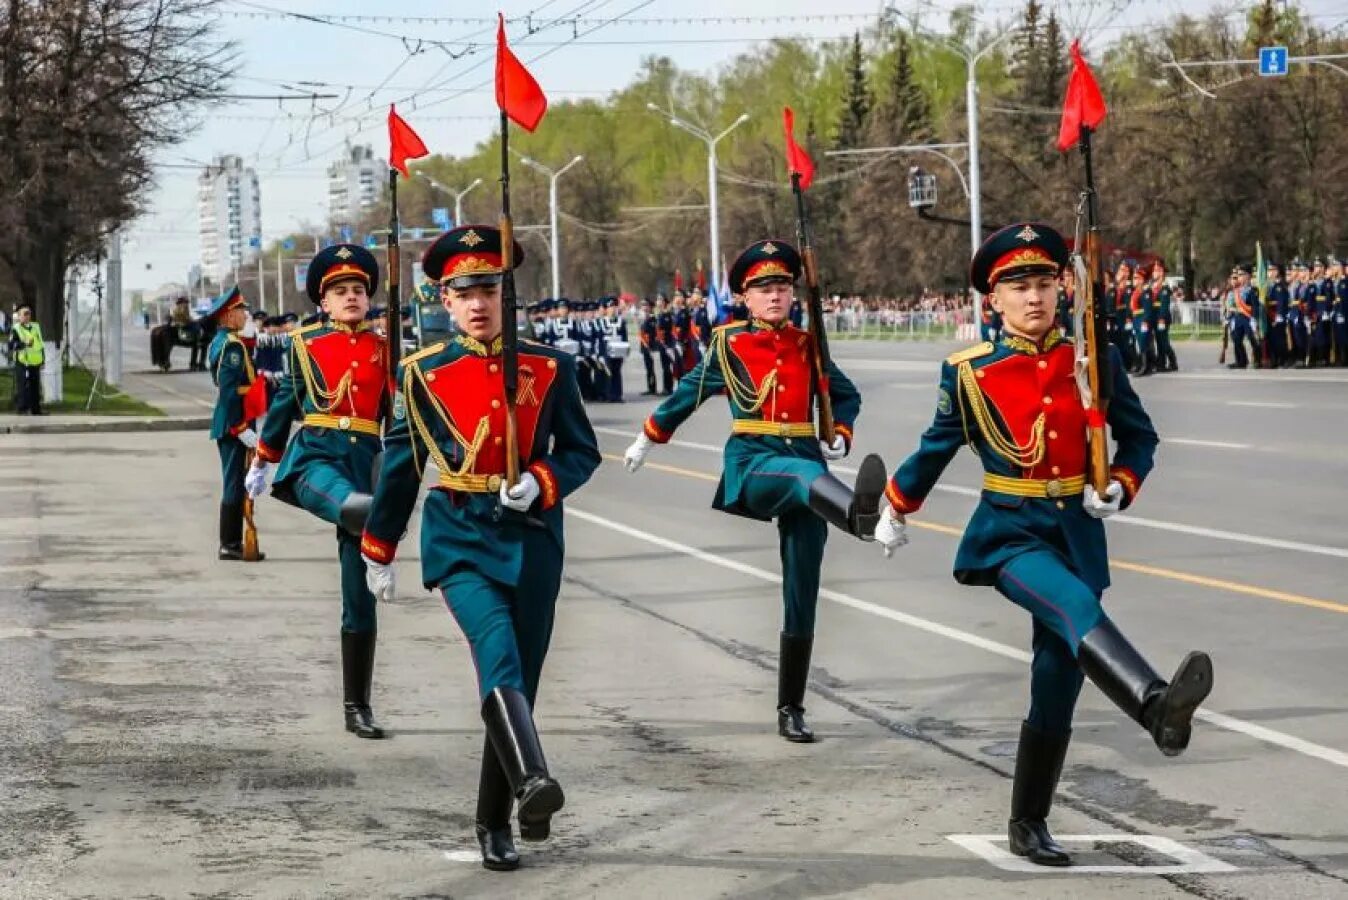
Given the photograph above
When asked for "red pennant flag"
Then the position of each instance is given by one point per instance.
(1084, 106)
(797, 160)
(517, 94)
(255, 400)
(404, 144)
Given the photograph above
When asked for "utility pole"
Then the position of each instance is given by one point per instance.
(112, 366)
(711, 142)
(552, 215)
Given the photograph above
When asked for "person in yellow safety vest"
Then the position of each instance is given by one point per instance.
(29, 354)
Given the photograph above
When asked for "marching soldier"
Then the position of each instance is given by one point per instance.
(650, 345)
(1244, 308)
(598, 351)
(493, 551)
(1318, 300)
(231, 423)
(1296, 313)
(775, 467)
(1140, 312)
(990, 324)
(1338, 319)
(1162, 301)
(664, 338)
(614, 332)
(1037, 535)
(337, 389)
(1120, 326)
(1277, 305)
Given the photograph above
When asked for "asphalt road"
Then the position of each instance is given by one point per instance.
(171, 725)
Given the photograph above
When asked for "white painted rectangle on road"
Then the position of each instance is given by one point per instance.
(1196, 442)
(1187, 860)
(1264, 404)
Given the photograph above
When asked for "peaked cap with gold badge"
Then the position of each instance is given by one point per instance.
(1026, 248)
(467, 256)
(764, 262)
(340, 262)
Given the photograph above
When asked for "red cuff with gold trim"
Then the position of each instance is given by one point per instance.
(845, 431)
(236, 430)
(1128, 478)
(655, 432)
(267, 454)
(377, 550)
(897, 499)
(547, 482)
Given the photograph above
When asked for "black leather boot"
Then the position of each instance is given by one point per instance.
(793, 671)
(355, 510)
(855, 510)
(494, 801)
(1039, 759)
(1165, 710)
(231, 532)
(357, 674)
(510, 727)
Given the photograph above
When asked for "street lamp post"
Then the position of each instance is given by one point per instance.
(457, 195)
(552, 214)
(711, 142)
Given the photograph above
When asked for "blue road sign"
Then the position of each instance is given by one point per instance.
(371, 242)
(346, 234)
(440, 216)
(289, 244)
(1272, 60)
(255, 241)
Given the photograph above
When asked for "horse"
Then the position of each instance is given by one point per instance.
(196, 335)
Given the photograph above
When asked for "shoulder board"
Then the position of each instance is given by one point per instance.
(533, 343)
(977, 351)
(305, 329)
(728, 325)
(425, 352)
(232, 338)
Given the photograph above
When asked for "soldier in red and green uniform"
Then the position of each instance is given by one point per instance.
(494, 551)
(776, 466)
(236, 407)
(1037, 534)
(337, 390)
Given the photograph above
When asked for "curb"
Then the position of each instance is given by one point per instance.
(110, 425)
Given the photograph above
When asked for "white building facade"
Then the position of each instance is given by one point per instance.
(229, 205)
(354, 183)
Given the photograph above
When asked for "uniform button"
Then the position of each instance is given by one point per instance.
(493, 368)
(552, 364)
(498, 440)
(352, 439)
(355, 363)
(1043, 364)
(1054, 470)
(979, 373)
(1048, 401)
(353, 342)
(780, 388)
(779, 361)
(354, 388)
(1061, 505)
(1053, 435)
(788, 441)
(430, 376)
(496, 404)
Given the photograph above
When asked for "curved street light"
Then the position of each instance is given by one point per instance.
(553, 175)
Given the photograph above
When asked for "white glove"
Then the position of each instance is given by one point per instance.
(1102, 508)
(636, 454)
(522, 495)
(379, 578)
(891, 532)
(248, 437)
(1160, 326)
(255, 482)
(835, 452)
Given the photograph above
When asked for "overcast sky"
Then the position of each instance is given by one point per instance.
(291, 147)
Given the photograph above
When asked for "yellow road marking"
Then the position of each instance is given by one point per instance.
(1220, 584)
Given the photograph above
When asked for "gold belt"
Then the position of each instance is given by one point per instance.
(471, 484)
(343, 423)
(1034, 487)
(776, 429)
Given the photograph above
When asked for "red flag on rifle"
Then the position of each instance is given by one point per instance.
(1084, 106)
(517, 94)
(797, 160)
(404, 144)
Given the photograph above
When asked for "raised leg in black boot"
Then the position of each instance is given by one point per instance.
(793, 673)
(494, 802)
(1166, 710)
(855, 510)
(1039, 759)
(357, 674)
(510, 727)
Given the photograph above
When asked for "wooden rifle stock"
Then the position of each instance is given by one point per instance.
(509, 332)
(251, 551)
(815, 307)
(1099, 377)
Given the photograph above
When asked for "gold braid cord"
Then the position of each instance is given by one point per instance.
(324, 401)
(1026, 456)
(743, 394)
(412, 376)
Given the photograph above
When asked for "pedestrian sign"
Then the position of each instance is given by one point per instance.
(1272, 60)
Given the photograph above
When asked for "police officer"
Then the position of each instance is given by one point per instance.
(1162, 303)
(493, 550)
(1037, 535)
(232, 421)
(29, 353)
(337, 390)
(775, 465)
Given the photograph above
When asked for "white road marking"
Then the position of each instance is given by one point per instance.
(1188, 861)
(463, 856)
(1230, 723)
(1195, 442)
(1264, 404)
(1217, 534)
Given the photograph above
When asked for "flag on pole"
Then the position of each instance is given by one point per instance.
(718, 299)
(404, 143)
(797, 160)
(1084, 106)
(517, 93)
